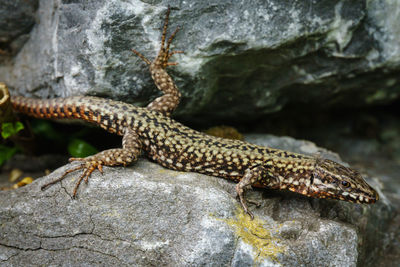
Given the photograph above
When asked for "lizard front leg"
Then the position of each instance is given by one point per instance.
(168, 102)
(251, 176)
(129, 153)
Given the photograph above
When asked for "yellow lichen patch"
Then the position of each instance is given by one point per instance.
(253, 232)
(225, 132)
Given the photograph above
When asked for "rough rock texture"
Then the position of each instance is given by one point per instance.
(147, 215)
(17, 18)
(242, 57)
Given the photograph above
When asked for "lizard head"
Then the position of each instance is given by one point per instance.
(333, 180)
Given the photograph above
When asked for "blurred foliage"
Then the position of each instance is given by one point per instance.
(50, 138)
(23, 182)
(76, 146)
(10, 128)
(6, 153)
(44, 129)
(79, 148)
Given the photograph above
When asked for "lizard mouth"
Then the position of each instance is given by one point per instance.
(348, 196)
(369, 199)
(360, 198)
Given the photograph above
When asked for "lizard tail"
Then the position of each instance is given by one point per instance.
(46, 108)
(109, 115)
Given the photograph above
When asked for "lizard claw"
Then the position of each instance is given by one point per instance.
(243, 201)
(245, 207)
(88, 166)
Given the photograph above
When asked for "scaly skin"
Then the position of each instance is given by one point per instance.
(178, 147)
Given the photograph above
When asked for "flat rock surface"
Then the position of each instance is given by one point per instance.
(148, 215)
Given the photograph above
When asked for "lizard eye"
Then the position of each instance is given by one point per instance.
(345, 184)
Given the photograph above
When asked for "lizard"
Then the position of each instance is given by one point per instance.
(151, 130)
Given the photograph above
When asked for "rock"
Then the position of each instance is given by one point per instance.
(147, 215)
(242, 59)
(17, 19)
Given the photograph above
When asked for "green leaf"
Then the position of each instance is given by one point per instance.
(6, 153)
(80, 149)
(19, 126)
(9, 129)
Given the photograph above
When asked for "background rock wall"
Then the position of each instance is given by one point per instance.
(242, 59)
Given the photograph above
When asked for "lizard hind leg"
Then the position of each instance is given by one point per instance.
(168, 102)
(129, 153)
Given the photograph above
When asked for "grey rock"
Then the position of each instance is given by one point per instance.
(17, 18)
(243, 58)
(147, 215)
